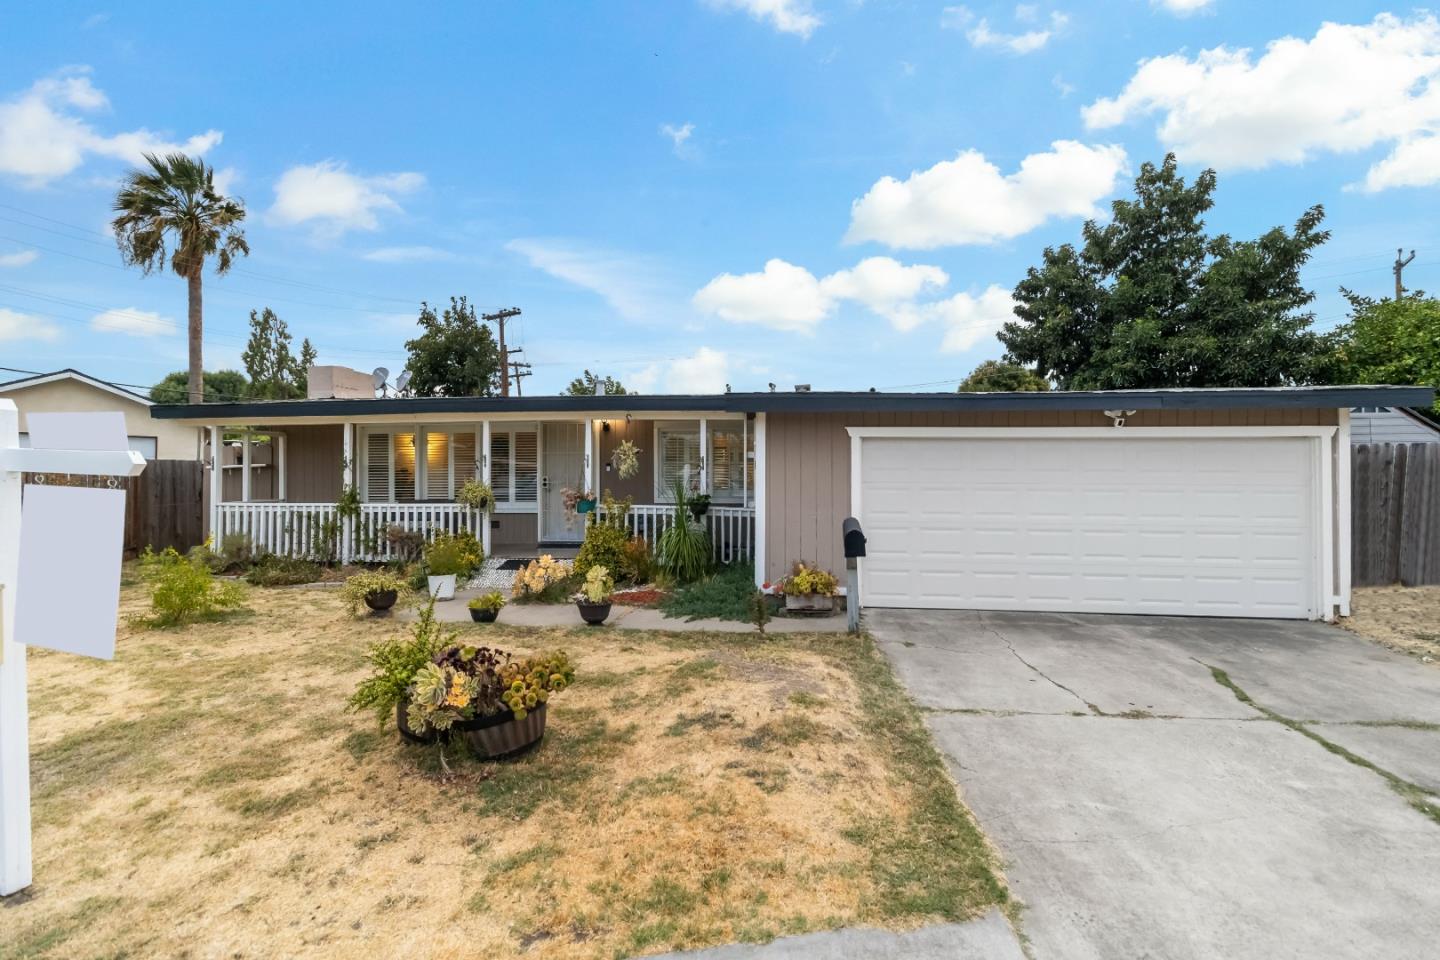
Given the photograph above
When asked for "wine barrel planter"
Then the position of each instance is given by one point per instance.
(501, 736)
(429, 736)
(382, 600)
(593, 613)
(809, 602)
(483, 616)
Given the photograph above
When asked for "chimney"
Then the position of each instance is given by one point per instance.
(338, 383)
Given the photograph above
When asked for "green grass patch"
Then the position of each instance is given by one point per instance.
(786, 731)
(249, 767)
(724, 595)
(705, 720)
(698, 669)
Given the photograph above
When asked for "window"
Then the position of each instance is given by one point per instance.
(729, 471)
(678, 459)
(514, 467)
(421, 464)
(728, 464)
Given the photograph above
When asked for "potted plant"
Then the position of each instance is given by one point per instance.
(699, 505)
(593, 600)
(475, 495)
(809, 589)
(496, 704)
(486, 607)
(626, 459)
(448, 557)
(578, 501)
(394, 663)
(376, 589)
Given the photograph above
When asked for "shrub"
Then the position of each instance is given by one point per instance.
(545, 580)
(726, 595)
(453, 553)
(487, 601)
(598, 585)
(636, 565)
(604, 546)
(273, 571)
(368, 584)
(183, 589)
(394, 662)
(405, 545)
(234, 553)
(683, 551)
(805, 580)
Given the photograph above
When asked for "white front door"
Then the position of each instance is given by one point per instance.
(562, 456)
(1205, 526)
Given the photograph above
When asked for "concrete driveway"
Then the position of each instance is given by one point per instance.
(1144, 810)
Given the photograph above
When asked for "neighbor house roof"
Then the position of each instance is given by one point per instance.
(811, 402)
(71, 374)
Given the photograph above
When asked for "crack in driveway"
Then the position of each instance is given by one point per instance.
(1016, 654)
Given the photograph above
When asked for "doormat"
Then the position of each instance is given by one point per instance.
(514, 563)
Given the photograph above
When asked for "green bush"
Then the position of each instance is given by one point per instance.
(453, 553)
(394, 662)
(183, 589)
(367, 584)
(728, 594)
(273, 571)
(637, 565)
(604, 546)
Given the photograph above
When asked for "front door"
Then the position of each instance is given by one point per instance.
(562, 454)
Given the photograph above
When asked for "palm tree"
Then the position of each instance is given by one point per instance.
(173, 211)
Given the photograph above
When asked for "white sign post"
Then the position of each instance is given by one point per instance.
(66, 555)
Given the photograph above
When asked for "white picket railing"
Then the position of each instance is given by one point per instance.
(732, 529)
(315, 530)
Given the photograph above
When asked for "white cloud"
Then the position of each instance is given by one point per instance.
(24, 326)
(43, 136)
(94, 20)
(982, 36)
(782, 297)
(786, 16)
(968, 200)
(1413, 163)
(133, 322)
(1063, 87)
(632, 285)
(416, 254)
(969, 319)
(1183, 8)
(680, 139)
(705, 371)
(1349, 88)
(336, 200)
(887, 287)
(23, 258)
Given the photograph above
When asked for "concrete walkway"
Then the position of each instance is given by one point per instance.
(988, 938)
(623, 618)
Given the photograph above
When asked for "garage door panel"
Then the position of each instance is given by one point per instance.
(1204, 526)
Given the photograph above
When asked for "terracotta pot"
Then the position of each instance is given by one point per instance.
(382, 600)
(501, 735)
(483, 616)
(593, 613)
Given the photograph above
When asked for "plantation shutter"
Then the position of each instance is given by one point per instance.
(437, 466)
(462, 456)
(500, 466)
(527, 467)
(679, 461)
(405, 467)
(727, 462)
(377, 467)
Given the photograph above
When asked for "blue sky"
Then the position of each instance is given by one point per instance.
(688, 193)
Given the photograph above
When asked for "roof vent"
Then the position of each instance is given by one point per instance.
(802, 388)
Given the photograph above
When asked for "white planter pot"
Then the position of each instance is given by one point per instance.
(809, 602)
(442, 588)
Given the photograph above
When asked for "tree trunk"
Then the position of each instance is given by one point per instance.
(195, 328)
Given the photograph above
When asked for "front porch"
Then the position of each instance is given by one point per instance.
(279, 485)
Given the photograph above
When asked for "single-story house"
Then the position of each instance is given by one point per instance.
(1391, 425)
(70, 391)
(1215, 502)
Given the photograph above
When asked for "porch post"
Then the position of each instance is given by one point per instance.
(245, 453)
(704, 455)
(215, 485)
(1343, 515)
(281, 451)
(760, 499)
(484, 453)
(589, 453)
(347, 479)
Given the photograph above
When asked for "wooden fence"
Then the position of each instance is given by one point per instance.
(1395, 514)
(163, 506)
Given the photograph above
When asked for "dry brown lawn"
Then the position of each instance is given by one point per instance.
(206, 795)
(1402, 618)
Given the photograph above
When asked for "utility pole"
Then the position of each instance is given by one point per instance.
(519, 371)
(1400, 266)
(498, 318)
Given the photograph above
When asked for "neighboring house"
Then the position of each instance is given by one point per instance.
(1391, 425)
(70, 391)
(1224, 502)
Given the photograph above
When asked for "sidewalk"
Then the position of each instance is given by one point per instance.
(623, 618)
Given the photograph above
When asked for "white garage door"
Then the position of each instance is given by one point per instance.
(1210, 527)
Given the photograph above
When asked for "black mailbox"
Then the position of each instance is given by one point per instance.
(854, 538)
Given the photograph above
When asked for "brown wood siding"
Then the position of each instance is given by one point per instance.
(314, 463)
(641, 487)
(807, 464)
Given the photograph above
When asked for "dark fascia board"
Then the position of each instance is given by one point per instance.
(815, 402)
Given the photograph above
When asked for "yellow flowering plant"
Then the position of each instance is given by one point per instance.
(468, 683)
(806, 581)
(542, 579)
(528, 683)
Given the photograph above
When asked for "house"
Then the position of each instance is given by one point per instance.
(1391, 425)
(1219, 502)
(70, 391)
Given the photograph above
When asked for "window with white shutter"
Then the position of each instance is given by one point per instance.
(377, 468)
(527, 467)
(404, 460)
(500, 465)
(727, 464)
(678, 459)
(514, 467)
(437, 466)
(462, 458)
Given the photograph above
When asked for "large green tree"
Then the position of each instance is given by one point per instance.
(172, 213)
(455, 354)
(588, 384)
(1150, 299)
(275, 372)
(997, 376)
(221, 386)
(1388, 341)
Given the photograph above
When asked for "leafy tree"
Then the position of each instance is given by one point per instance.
(588, 384)
(173, 212)
(996, 376)
(455, 356)
(275, 373)
(1151, 300)
(1388, 341)
(221, 386)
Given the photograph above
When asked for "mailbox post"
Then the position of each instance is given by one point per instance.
(854, 539)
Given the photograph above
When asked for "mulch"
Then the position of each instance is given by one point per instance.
(638, 598)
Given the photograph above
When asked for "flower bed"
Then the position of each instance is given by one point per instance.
(644, 597)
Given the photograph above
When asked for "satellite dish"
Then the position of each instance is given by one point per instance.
(403, 382)
(381, 375)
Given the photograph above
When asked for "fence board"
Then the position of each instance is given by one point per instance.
(163, 505)
(1395, 514)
